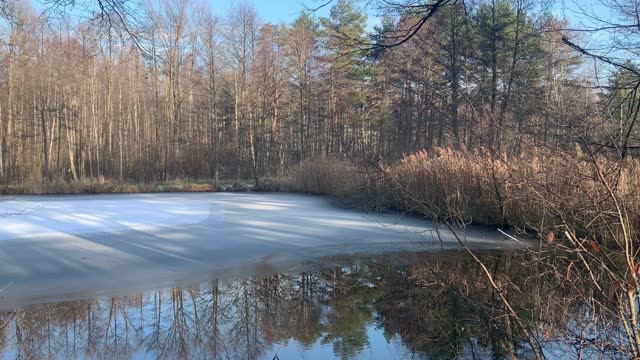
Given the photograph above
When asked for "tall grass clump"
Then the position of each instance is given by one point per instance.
(349, 183)
(466, 186)
(540, 191)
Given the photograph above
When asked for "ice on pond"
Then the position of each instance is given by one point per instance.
(66, 215)
(62, 246)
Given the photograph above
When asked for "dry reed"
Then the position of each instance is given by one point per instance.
(538, 191)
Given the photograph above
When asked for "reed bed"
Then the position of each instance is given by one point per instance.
(540, 191)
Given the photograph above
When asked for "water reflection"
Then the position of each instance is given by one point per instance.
(440, 307)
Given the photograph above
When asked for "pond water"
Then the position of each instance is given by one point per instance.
(278, 276)
(393, 306)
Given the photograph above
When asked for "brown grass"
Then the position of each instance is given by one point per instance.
(347, 183)
(105, 186)
(538, 191)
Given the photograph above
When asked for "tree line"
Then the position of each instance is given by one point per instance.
(193, 95)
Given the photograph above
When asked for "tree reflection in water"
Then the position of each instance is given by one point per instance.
(440, 307)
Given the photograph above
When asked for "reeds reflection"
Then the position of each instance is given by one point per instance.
(440, 307)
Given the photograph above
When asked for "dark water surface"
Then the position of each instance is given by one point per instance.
(393, 306)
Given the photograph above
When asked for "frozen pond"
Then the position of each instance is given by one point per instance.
(70, 247)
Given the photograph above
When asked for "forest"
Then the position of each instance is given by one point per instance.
(186, 94)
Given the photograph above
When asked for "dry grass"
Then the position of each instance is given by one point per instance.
(539, 191)
(454, 184)
(347, 183)
(327, 177)
(103, 186)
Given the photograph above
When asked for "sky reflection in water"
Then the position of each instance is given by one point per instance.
(367, 309)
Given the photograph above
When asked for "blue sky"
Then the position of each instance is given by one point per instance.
(271, 11)
(277, 11)
(282, 10)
